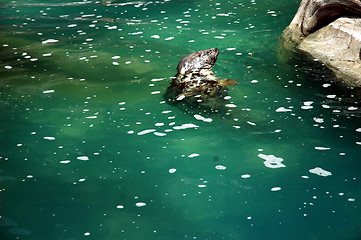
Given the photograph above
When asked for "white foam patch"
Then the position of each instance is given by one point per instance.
(231, 105)
(83, 158)
(146, 131)
(49, 91)
(159, 134)
(251, 123)
(201, 118)
(322, 148)
(318, 120)
(185, 126)
(271, 161)
(49, 138)
(181, 97)
(274, 189)
(157, 79)
(140, 204)
(283, 109)
(220, 167)
(49, 41)
(193, 155)
(320, 172)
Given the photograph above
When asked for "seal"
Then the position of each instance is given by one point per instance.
(195, 81)
(312, 15)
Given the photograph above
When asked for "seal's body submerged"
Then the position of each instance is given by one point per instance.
(195, 82)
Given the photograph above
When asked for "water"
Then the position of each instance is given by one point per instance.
(90, 150)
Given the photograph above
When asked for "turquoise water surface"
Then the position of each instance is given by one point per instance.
(90, 149)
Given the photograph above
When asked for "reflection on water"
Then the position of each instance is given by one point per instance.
(90, 149)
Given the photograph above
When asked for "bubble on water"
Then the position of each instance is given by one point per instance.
(155, 92)
(146, 131)
(8, 67)
(172, 170)
(83, 158)
(283, 109)
(65, 161)
(115, 57)
(320, 172)
(245, 176)
(87, 234)
(201, 118)
(115, 63)
(72, 25)
(352, 108)
(140, 204)
(231, 105)
(220, 167)
(159, 134)
(169, 38)
(49, 138)
(274, 189)
(185, 126)
(318, 120)
(48, 91)
(251, 123)
(180, 97)
(193, 155)
(322, 148)
(120, 206)
(271, 161)
(49, 41)
(155, 36)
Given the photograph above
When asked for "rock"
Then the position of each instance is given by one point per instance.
(330, 32)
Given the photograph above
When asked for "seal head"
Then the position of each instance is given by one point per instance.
(198, 60)
(195, 84)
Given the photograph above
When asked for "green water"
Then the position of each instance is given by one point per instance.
(90, 150)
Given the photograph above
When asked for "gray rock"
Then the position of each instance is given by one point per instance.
(330, 32)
